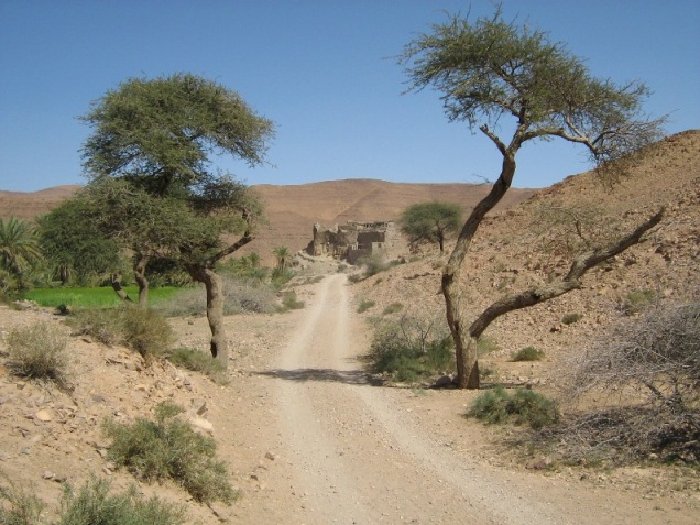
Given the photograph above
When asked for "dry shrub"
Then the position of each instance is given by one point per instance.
(657, 354)
(38, 352)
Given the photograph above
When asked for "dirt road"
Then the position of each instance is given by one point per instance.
(354, 454)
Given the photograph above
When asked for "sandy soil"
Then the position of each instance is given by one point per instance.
(346, 451)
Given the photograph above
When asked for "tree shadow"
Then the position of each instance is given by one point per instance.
(350, 377)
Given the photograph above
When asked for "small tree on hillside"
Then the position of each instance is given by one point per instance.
(489, 70)
(158, 135)
(430, 222)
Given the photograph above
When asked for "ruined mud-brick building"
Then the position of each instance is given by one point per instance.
(355, 240)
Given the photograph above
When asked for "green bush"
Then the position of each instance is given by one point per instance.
(528, 354)
(409, 350)
(20, 507)
(571, 319)
(169, 448)
(94, 505)
(191, 359)
(392, 308)
(38, 352)
(365, 305)
(522, 407)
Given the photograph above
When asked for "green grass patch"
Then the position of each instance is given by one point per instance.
(169, 448)
(497, 406)
(528, 354)
(638, 300)
(95, 296)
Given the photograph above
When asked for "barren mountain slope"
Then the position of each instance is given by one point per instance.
(292, 211)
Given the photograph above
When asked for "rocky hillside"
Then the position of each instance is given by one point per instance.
(535, 240)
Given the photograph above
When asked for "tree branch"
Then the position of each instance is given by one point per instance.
(579, 266)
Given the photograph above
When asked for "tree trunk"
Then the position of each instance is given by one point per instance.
(218, 345)
(116, 282)
(140, 278)
(465, 344)
(441, 241)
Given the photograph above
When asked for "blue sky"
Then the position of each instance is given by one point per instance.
(323, 71)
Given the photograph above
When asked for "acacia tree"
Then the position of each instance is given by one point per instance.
(430, 221)
(158, 135)
(490, 71)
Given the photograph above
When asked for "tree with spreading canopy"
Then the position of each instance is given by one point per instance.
(516, 87)
(430, 221)
(157, 137)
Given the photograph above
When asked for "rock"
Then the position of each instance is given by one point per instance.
(202, 410)
(44, 415)
(443, 382)
(141, 387)
(201, 424)
(539, 464)
(269, 455)
(47, 474)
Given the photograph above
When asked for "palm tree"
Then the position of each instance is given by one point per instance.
(19, 248)
(281, 254)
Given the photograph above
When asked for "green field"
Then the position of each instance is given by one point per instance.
(94, 297)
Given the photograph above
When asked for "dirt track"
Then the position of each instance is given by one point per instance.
(354, 454)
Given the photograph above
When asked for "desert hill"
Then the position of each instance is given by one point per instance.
(291, 211)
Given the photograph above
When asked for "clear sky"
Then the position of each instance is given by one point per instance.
(323, 70)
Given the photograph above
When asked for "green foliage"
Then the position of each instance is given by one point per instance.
(392, 308)
(75, 247)
(94, 505)
(365, 305)
(637, 301)
(529, 353)
(20, 507)
(38, 352)
(570, 319)
(279, 277)
(523, 406)
(19, 251)
(489, 68)
(191, 359)
(164, 129)
(430, 222)
(409, 349)
(247, 267)
(169, 448)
